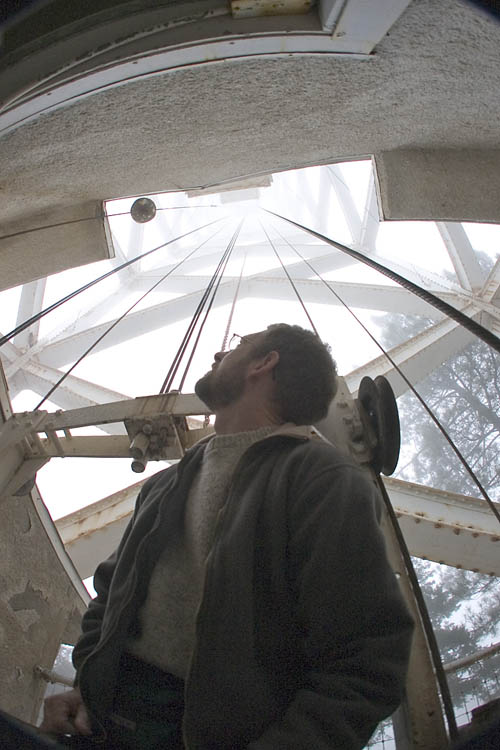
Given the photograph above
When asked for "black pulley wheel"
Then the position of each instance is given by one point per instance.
(378, 401)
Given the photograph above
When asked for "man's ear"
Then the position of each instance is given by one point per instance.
(264, 364)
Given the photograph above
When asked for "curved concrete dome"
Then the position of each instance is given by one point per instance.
(126, 102)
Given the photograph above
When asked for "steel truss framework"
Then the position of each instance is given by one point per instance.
(446, 527)
(322, 199)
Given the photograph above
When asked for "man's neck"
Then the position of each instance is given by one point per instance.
(243, 418)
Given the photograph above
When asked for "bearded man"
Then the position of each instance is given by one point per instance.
(250, 603)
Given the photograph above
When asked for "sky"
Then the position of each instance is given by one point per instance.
(138, 366)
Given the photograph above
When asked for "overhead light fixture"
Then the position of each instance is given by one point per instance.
(143, 210)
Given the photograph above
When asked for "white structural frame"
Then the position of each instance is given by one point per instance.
(454, 529)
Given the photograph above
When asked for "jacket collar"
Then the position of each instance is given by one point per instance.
(288, 429)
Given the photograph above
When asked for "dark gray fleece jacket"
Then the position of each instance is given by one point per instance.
(302, 637)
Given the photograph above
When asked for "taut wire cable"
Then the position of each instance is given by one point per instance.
(167, 383)
(93, 218)
(118, 320)
(209, 306)
(422, 607)
(233, 306)
(290, 280)
(35, 318)
(427, 408)
(480, 331)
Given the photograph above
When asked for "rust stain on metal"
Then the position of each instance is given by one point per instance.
(253, 8)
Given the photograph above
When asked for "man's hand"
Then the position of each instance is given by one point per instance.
(65, 713)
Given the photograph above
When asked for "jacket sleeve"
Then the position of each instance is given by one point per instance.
(93, 617)
(356, 627)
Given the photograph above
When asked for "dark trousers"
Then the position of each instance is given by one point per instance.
(147, 710)
(147, 715)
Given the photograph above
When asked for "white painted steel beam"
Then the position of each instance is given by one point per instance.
(324, 260)
(380, 297)
(446, 527)
(441, 526)
(29, 439)
(416, 357)
(9, 353)
(127, 274)
(422, 277)
(92, 533)
(157, 316)
(135, 245)
(144, 407)
(301, 201)
(326, 204)
(491, 289)
(30, 303)
(346, 201)
(491, 310)
(67, 349)
(371, 220)
(410, 271)
(462, 255)
(72, 393)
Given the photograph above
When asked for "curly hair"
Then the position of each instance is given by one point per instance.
(306, 374)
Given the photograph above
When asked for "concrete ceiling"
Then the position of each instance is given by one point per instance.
(429, 88)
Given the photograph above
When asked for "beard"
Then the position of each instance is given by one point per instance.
(218, 390)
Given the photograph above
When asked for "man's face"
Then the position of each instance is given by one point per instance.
(225, 382)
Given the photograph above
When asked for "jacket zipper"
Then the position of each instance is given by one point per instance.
(103, 643)
(221, 525)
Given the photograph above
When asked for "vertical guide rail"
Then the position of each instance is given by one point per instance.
(418, 723)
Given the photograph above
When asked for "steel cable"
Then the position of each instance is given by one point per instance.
(209, 306)
(480, 331)
(167, 383)
(93, 218)
(290, 280)
(427, 408)
(35, 318)
(233, 306)
(118, 320)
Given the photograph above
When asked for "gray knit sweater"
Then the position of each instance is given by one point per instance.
(168, 615)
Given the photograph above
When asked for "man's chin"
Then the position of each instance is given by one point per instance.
(202, 389)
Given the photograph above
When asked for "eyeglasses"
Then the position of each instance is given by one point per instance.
(235, 341)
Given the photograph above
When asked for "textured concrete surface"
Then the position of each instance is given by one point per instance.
(39, 607)
(431, 84)
(73, 235)
(449, 184)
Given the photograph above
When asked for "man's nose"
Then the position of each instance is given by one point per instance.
(218, 356)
